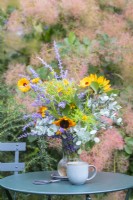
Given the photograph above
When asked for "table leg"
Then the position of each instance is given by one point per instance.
(8, 194)
(128, 194)
(49, 197)
(88, 197)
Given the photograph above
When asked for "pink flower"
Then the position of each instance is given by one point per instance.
(73, 8)
(128, 121)
(45, 11)
(107, 120)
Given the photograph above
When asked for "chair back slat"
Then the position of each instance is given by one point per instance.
(15, 167)
(13, 147)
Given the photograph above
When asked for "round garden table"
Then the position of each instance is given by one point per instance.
(103, 182)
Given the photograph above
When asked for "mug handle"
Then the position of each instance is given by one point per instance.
(94, 172)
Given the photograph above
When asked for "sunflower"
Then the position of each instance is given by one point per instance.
(42, 110)
(85, 82)
(64, 122)
(102, 82)
(24, 85)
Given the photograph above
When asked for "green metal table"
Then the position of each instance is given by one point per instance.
(104, 182)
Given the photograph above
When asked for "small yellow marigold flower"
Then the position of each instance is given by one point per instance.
(35, 80)
(24, 85)
(58, 133)
(66, 82)
(72, 106)
(42, 110)
(84, 118)
(59, 89)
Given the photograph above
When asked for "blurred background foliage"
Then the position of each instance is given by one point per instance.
(93, 36)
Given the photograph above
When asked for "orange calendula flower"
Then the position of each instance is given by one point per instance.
(24, 85)
(64, 122)
(35, 80)
(42, 110)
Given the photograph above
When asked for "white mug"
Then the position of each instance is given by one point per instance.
(78, 172)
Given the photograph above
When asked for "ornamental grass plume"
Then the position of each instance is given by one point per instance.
(128, 12)
(77, 66)
(45, 52)
(113, 25)
(121, 4)
(125, 41)
(26, 102)
(17, 23)
(128, 121)
(42, 10)
(11, 75)
(75, 9)
(100, 154)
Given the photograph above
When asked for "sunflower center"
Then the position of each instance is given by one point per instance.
(86, 83)
(24, 84)
(64, 124)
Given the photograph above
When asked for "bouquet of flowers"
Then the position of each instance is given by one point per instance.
(75, 112)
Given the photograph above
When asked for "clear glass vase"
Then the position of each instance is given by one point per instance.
(62, 164)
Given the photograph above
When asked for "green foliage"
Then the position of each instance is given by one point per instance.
(72, 45)
(11, 121)
(129, 145)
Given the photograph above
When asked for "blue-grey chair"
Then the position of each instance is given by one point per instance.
(14, 166)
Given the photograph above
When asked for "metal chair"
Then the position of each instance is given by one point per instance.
(15, 166)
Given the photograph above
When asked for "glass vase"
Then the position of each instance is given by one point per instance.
(62, 164)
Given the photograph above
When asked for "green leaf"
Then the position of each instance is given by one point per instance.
(86, 41)
(71, 38)
(32, 139)
(79, 151)
(113, 92)
(95, 86)
(128, 150)
(129, 141)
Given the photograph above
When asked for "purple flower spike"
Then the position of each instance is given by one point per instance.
(62, 104)
(36, 116)
(48, 66)
(35, 75)
(27, 126)
(62, 72)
